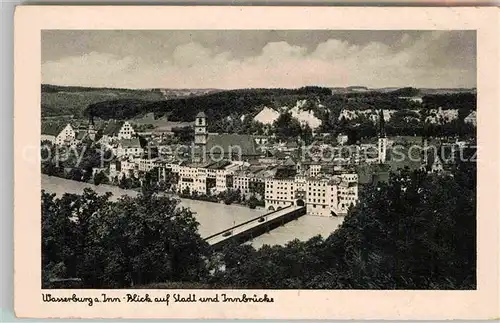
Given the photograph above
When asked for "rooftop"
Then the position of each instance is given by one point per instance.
(130, 143)
(52, 129)
(112, 128)
(234, 143)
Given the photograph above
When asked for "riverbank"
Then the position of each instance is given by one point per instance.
(213, 217)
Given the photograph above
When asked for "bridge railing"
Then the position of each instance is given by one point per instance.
(246, 222)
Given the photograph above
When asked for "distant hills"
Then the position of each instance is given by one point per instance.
(223, 105)
(419, 91)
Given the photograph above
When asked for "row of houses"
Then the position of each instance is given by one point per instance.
(68, 134)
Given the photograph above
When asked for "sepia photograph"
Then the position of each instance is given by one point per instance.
(258, 159)
(200, 163)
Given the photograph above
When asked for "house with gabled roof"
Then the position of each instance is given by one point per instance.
(117, 130)
(58, 134)
(471, 118)
(128, 147)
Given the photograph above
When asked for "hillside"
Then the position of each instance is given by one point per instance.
(70, 100)
(74, 100)
(321, 108)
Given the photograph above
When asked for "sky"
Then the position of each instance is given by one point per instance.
(230, 59)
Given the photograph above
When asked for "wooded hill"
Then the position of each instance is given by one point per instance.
(127, 104)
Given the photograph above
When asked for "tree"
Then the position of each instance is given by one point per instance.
(58, 233)
(286, 126)
(100, 178)
(113, 245)
(415, 232)
(183, 134)
(164, 246)
(306, 134)
(253, 202)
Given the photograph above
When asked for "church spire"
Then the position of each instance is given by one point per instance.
(91, 127)
(381, 131)
(200, 130)
(382, 139)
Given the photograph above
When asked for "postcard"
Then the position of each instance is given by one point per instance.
(256, 162)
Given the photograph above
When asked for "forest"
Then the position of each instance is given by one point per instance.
(127, 104)
(416, 231)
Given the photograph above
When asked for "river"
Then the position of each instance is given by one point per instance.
(214, 217)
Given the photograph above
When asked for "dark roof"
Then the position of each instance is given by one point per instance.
(52, 129)
(219, 164)
(289, 162)
(201, 114)
(285, 173)
(130, 143)
(81, 134)
(400, 157)
(280, 155)
(471, 115)
(113, 128)
(232, 143)
(372, 173)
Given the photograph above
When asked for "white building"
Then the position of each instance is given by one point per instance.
(146, 164)
(471, 118)
(322, 196)
(61, 135)
(128, 147)
(242, 183)
(117, 130)
(279, 193)
(314, 170)
(347, 192)
(208, 179)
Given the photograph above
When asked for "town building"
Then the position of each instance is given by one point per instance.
(217, 147)
(60, 135)
(321, 196)
(471, 118)
(147, 164)
(211, 178)
(123, 168)
(117, 130)
(128, 147)
(279, 193)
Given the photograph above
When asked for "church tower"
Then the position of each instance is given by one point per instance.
(382, 139)
(200, 129)
(91, 128)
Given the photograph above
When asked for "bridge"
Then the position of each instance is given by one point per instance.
(255, 227)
